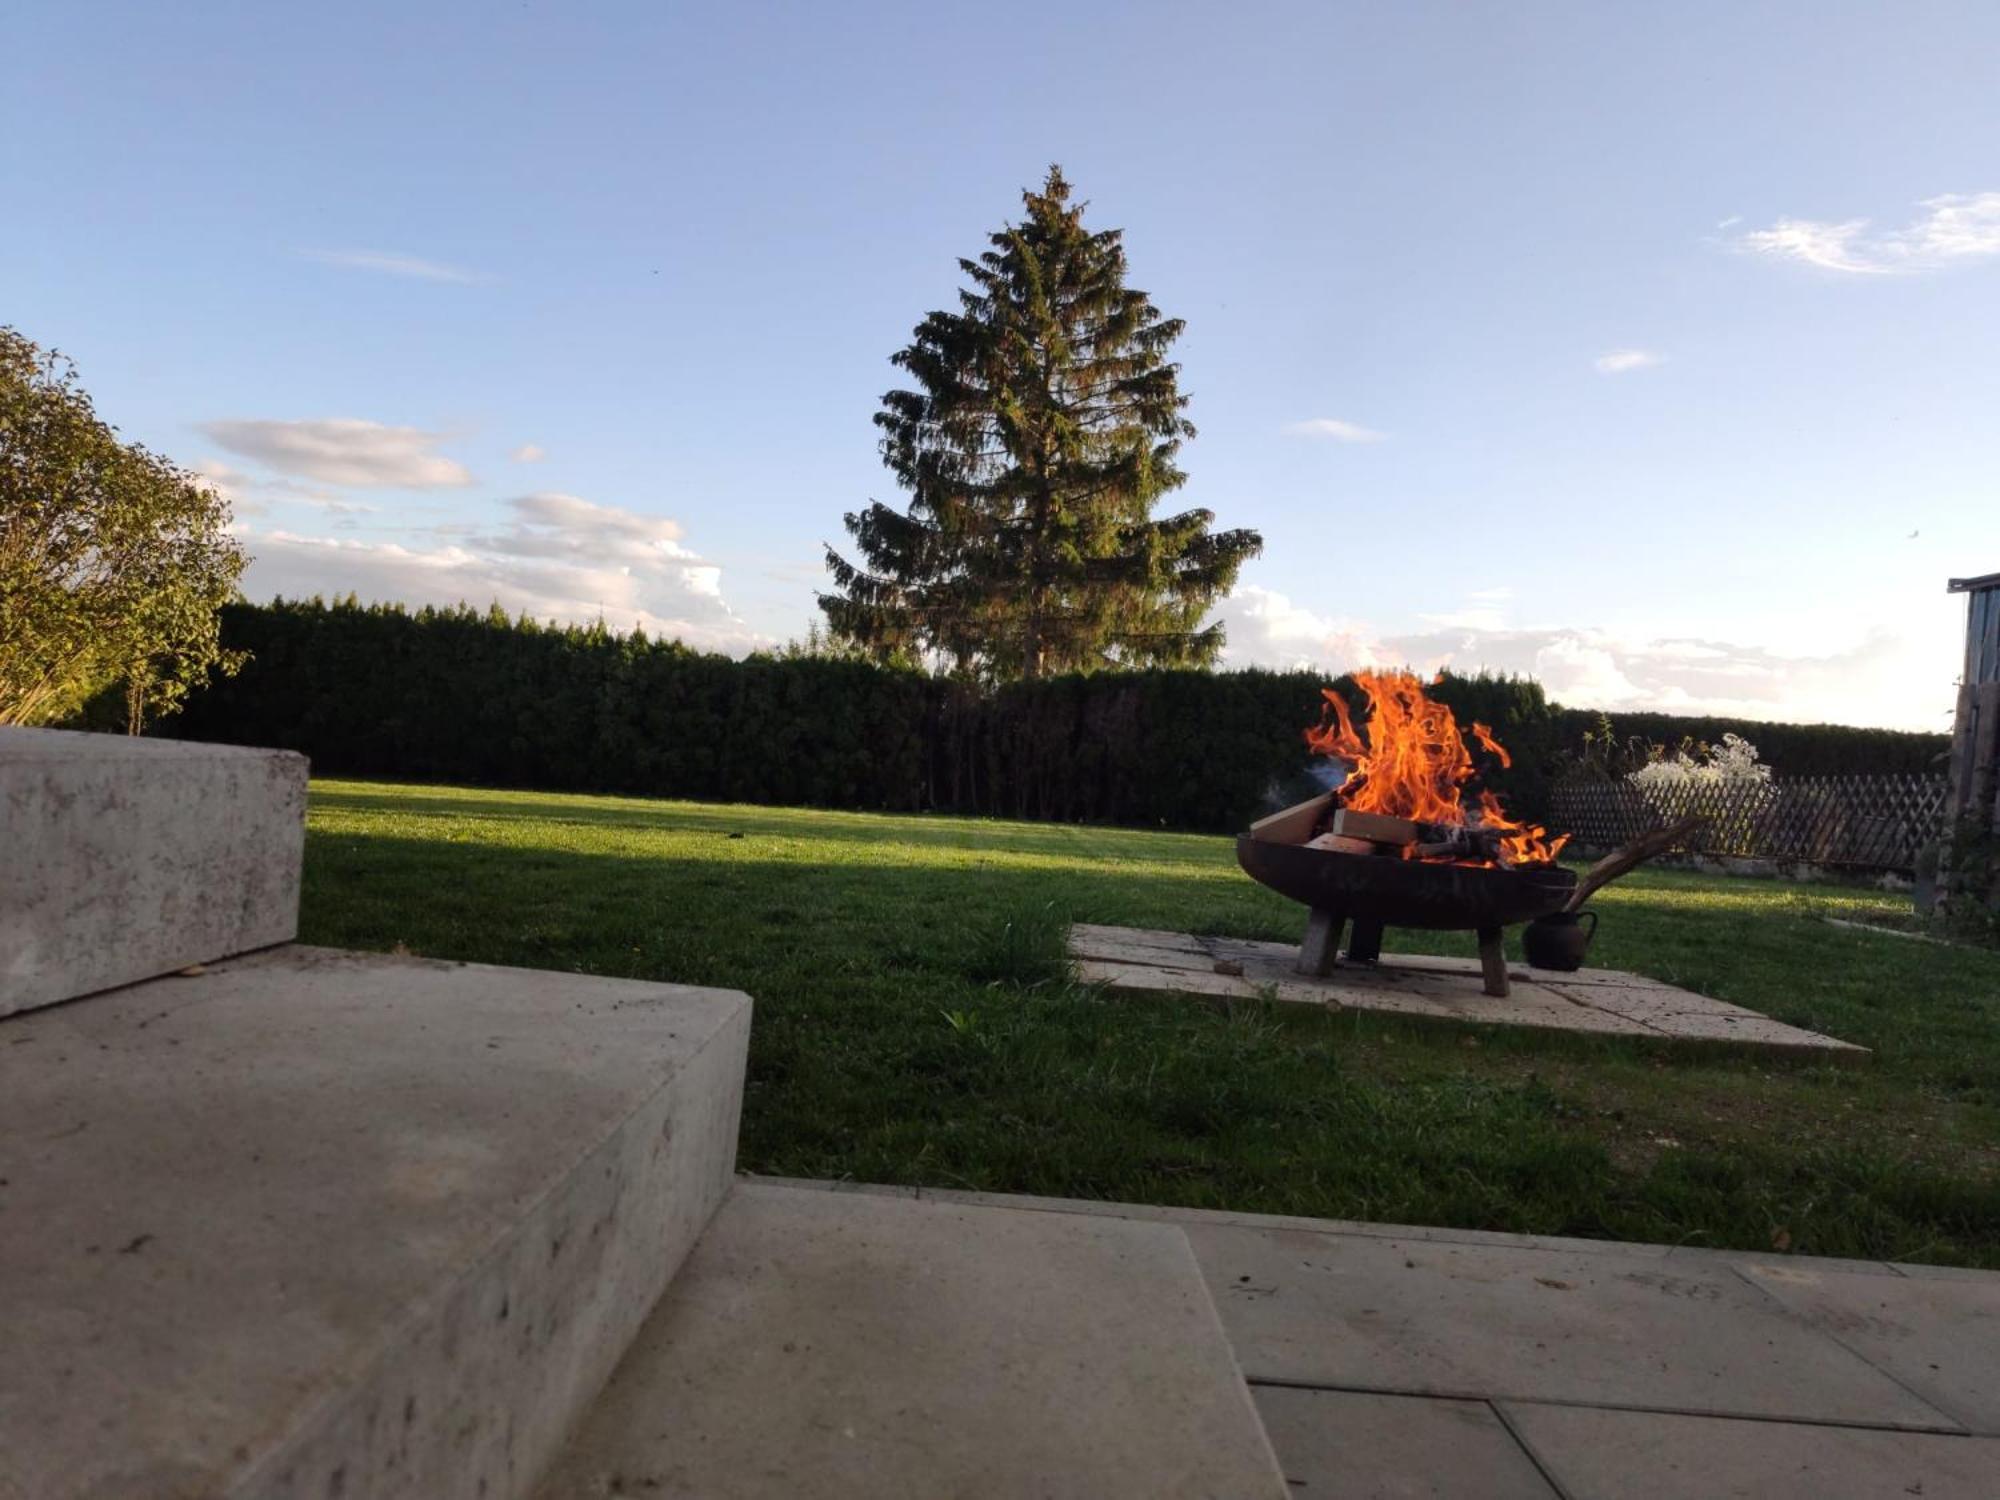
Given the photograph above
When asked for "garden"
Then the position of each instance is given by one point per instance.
(916, 1023)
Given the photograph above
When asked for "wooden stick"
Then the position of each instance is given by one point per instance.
(1321, 949)
(1625, 861)
(1295, 824)
(1493, 960)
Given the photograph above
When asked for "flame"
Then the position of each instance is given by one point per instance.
(1414, 764)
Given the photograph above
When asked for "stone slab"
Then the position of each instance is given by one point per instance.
(315, 1223)
(1418, 994)
(1613, 1455)
(122, 859)
(1360, 1446)
(1435, 1234)
(1427, 1318)
(1939, 1336)
(1187, 950)
(852, 1345)
(1598, 1002)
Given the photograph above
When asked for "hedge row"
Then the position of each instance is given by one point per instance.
(1792, 749)
(458, 695)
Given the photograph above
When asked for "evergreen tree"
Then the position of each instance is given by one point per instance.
(1042, 434)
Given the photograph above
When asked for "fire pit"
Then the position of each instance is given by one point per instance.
(1395, 845)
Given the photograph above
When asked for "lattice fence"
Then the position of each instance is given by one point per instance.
(1868, 822)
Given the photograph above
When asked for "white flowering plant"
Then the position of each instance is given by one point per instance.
(1733, 762)
(1726, 782)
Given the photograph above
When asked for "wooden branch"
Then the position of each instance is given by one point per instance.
(1625, 861)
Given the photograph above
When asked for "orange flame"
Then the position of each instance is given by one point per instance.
(1414, 764)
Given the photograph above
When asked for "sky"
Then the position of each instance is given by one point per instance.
(1646, 349)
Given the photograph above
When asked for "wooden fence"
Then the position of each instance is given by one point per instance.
(1861, 822)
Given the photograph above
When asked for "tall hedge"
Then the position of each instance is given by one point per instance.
(461, 695)
(1790, 749)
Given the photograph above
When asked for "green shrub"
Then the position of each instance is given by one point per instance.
(470, 696)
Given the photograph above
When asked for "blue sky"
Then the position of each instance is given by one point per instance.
(1650, 349)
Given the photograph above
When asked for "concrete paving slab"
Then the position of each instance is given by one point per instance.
(122, 858)
(1942, 1273)
(1360, 1446)
(1148, 980)
(1746, 1258)
(1617, 1249)
(1618, 1455)
(315, 1223)
(1286, 954)
(1939, 1336)
(1120, 950)
(1169, 1214)
(1595, 1002)
(1087, 934)
(1651, 1002)
(1487, 1321)
(1441, 998)
(844, 1344)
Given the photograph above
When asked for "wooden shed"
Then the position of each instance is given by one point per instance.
(1975, 736)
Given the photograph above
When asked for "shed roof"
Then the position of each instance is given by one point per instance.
(1973, 585)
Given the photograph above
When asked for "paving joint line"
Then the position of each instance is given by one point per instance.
(1548, 1473)
(1965, 1426)
(1955, 1430)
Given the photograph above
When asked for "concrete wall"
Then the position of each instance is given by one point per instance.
(122, 859)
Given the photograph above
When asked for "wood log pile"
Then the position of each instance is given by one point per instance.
(1350, 832)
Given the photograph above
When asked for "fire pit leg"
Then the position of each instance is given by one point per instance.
(1322, 945)
(1493, 960)
(1364, 944)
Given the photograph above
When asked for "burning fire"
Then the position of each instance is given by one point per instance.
(1413, 764)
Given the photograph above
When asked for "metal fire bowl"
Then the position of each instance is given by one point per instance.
(1405, 892)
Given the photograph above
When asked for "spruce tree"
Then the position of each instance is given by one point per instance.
(1041, 435)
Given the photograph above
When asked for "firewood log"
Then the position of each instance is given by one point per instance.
(1624, 861)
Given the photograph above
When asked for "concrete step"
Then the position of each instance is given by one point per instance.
(312, 1223)
(123, 858)
(838, 1344)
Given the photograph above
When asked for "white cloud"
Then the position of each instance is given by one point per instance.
(1953, 227)
(252, 495)
(344, 451)
(564, 526)
(1333, 427)
(1883, 679)
(1266, 629)
(1831, 247)
(1618, 361)
(388, 263)
(557, 557)
(527, 453)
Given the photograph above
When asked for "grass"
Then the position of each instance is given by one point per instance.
(915, 1024)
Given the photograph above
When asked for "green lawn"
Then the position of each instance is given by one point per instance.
(914, 1025)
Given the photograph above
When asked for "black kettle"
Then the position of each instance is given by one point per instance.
(1559, 941)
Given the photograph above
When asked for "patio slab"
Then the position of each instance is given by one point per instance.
(1424, 1318)
(1360, 1446)
(1602, 1002)
(1613, 1455)
(853, 1345)
(1455, 1362)
(1938, 1336)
